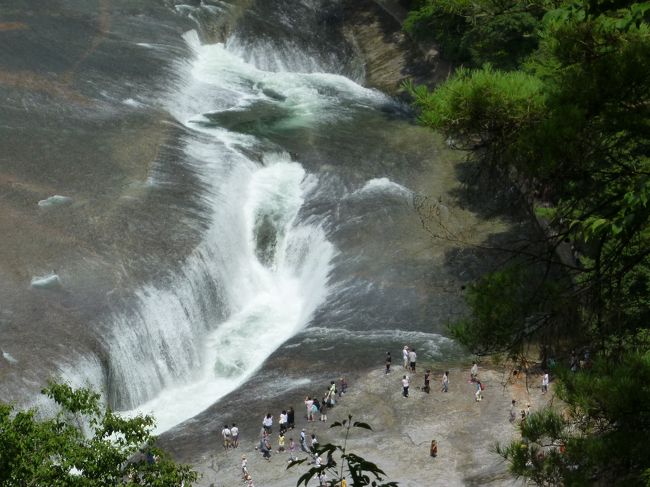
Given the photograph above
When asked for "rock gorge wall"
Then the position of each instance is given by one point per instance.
(390, 55)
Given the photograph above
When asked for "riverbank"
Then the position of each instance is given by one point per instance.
(465, 430)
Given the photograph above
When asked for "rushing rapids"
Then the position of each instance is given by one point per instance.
(232, 192)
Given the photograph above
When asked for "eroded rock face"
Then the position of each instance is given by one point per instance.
(389, 55)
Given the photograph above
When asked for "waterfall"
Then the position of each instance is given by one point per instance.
(261, 270)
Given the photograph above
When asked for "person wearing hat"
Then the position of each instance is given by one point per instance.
(244, 467)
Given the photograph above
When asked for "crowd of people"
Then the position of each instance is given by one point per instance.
(409, 356)
(409, 363)
(315, 410)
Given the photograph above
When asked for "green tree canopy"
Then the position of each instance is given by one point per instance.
(475, 32)
(570, 127)
(83, 446)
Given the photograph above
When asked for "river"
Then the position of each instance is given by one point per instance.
(202, 205)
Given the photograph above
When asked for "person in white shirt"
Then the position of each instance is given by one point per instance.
(473, 373)
(405, 356)
(545, 383)
(303, 441)
(405, 386)
(244, 467)
(226, 434)
(234, 434)
(412, 359)
(309, 402)
(267, 423)
(282, 422)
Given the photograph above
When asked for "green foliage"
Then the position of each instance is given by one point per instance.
(572, 126)
(602, 434)
(481, 107)
(82, 446)
(501, 33)
(351, 466)
(509, 308)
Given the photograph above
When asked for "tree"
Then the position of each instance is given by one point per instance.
(499, 32)
(83, 445)
(350, 465)
(600, 438)
(570, 127)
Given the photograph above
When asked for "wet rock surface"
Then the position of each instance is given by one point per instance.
(465, 430)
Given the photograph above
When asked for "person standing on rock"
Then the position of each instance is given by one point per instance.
(303, 441)
(234, 434)
(473, 373)
(332, 393)
(388, 362)
(445, 381)
(323, 410)
(314, 442)
(405, 386)
(343, 386)
(267, 423)
(309, 402)
(513, 411)
(281, 442)
(427, 379)
(226, 435)
(244, 467)
(479, 389)
(291, 418)
(314, 409)
(322, 479)
(405, 356)
(265, 447)
(282, 422)
(545, 383)
(412, 358)
(292, 450)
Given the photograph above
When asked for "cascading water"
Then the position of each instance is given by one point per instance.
(261, 270)
(238, 219)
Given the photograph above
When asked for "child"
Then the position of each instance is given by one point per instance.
(244, 467)
(281, 443)
(292, 450)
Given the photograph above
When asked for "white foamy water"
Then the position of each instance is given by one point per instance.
(268, 303)
(56, 200)
(50, 281)
(383, 186)
(309, 98)
(9, 358)
(260, 272)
